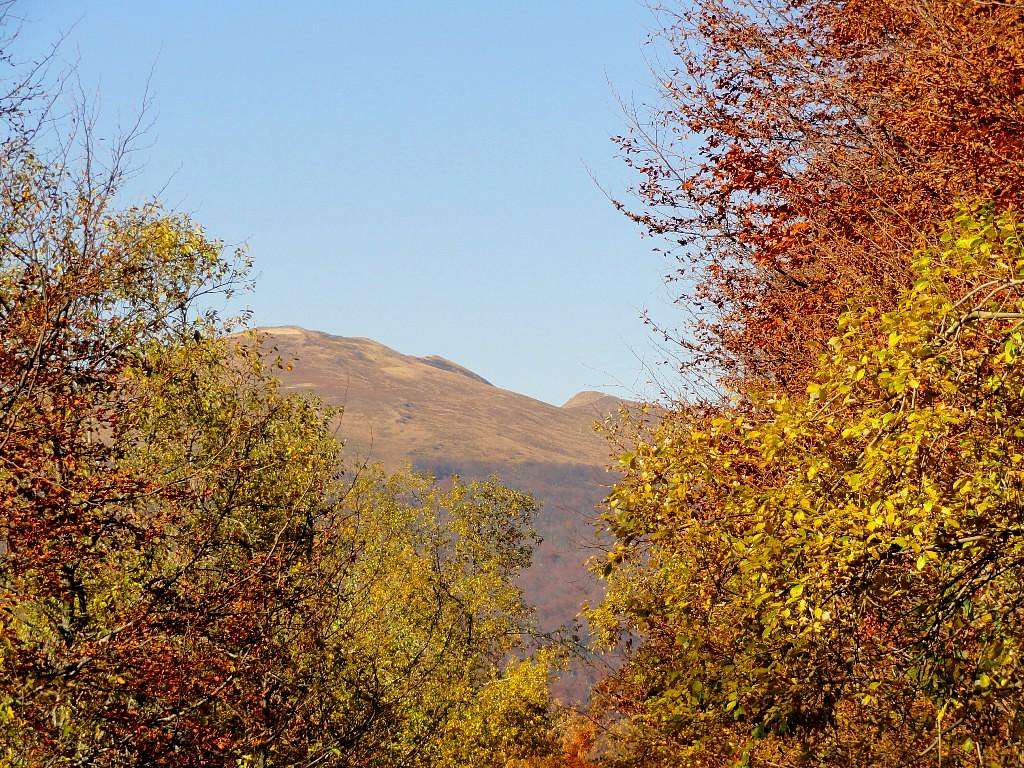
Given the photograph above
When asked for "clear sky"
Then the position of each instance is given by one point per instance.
(414, 172)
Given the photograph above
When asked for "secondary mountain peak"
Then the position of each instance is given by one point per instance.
(594, 401)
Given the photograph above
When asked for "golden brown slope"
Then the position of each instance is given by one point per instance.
(400, 408)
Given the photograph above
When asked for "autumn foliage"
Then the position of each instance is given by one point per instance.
(834, 576)
(802, 149)
(189, 573)
(818, 563)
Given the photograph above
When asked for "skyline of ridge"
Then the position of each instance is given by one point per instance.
(419, 173)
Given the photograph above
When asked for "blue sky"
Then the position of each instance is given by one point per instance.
(415, 172)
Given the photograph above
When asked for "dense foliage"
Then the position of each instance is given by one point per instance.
(802, 148)
(836, 576)
(819, 562)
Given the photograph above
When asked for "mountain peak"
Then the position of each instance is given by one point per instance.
(430, 409)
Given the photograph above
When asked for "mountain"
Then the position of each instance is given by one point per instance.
(445, 419)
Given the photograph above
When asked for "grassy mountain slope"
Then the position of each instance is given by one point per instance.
(445, 419)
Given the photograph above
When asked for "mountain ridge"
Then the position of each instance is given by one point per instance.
(416, 407)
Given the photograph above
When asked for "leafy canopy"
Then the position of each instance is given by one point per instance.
(837, 575)
(188, 574)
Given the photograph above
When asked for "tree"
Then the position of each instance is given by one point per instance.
(84, 294)
(802, 148)
(188, 574)
(835, 576)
